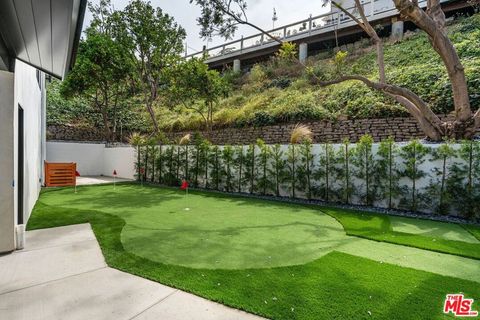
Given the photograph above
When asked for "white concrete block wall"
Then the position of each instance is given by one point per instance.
(121, 159)
(88, 156)
(94, 159)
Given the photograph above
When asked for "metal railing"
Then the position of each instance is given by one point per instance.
(313, 25)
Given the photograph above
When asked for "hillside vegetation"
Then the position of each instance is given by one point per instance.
(279, 91)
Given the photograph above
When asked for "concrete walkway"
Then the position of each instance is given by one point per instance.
(61, 274)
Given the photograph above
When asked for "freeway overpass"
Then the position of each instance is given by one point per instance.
(315, 34)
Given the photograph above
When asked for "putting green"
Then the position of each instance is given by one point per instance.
(432, 229)
(225, 232)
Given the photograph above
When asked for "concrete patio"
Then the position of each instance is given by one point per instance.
(89, 180)
(61, 274)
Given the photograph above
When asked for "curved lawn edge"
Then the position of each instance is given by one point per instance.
(362, 224)
(377, 227)
(474, 230)
(277, 292)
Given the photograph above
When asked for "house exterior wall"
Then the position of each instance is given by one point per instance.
(6, 162)
(23, 88)
(29, 94)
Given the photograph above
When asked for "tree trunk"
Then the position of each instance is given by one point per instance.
(152, 115)
(106, 126)
(433, 22)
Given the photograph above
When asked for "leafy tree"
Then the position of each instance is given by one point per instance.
(197, 88)
(205, 147)
(197, 170)
(413, 155)
(306, 168)
(299, 134)
(185, 141)
(227, 172)
(386, 177)
(137, 141)
(161, 140)
(324, 172)
(362, 159)
(222, 17)
(62, 109)
(464, 182)
(214, 163)
(150, 157)
(263, 163)
(102, 71)
(440, 197)
(239, 162)
(170, 161)
(249, 175)
(342, 170)
(153, 41)
(277, 169)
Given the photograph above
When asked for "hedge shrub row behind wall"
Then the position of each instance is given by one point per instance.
(441, 178)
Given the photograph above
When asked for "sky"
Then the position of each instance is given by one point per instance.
(259, 12)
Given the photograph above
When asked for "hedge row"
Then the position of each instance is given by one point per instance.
(444, 179)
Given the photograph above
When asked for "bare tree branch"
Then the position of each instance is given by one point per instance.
(367, 27)
(244, 21)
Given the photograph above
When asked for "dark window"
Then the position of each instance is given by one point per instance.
(20, 164)
(38, 79)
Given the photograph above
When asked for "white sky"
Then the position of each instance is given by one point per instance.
(259, 12)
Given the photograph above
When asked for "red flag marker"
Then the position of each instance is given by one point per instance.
(114, 176)
(184, 186)
(77, 174)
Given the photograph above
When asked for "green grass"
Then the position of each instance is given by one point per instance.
(379, 227)
(335, 286)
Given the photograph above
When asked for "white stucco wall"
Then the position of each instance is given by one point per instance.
(24, 89)
(121, 159)
(88, 156)
(28, 95)
(7, 203)
(94, 159)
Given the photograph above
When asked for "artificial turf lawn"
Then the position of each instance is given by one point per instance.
(337, 285)
(379, 227)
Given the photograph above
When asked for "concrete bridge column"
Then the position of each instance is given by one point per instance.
(303, 52)
(236, 65)
(397, 29)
